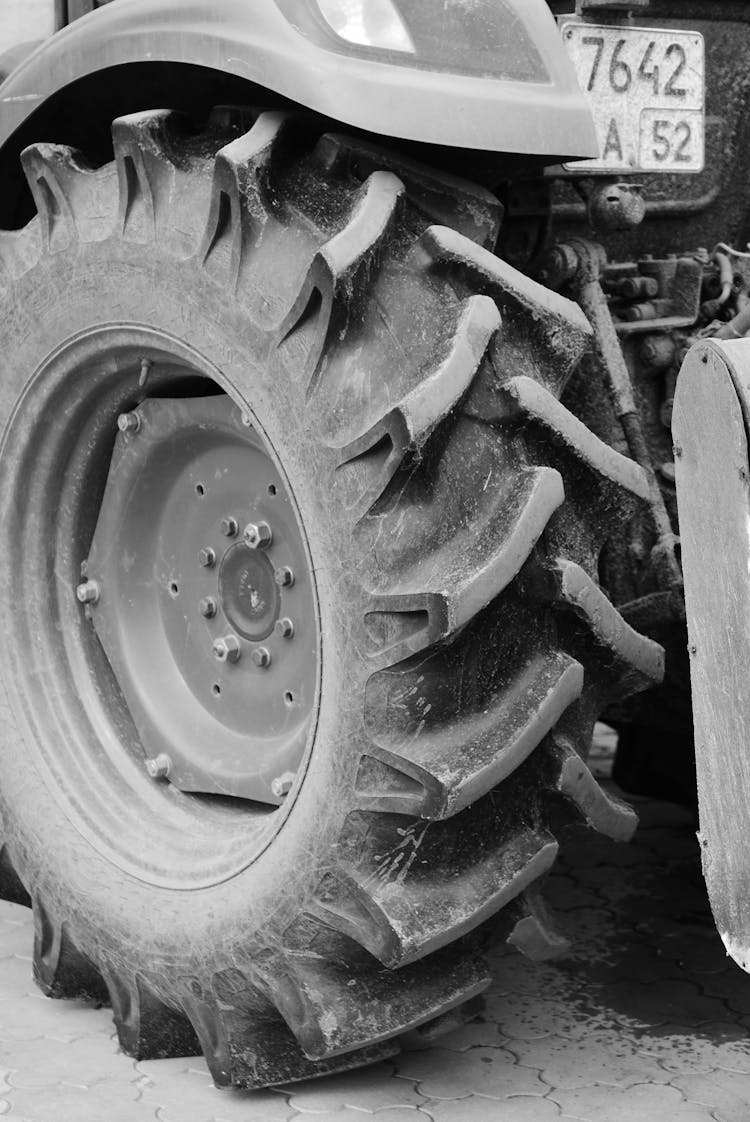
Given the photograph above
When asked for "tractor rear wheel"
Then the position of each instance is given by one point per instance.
(304, 644)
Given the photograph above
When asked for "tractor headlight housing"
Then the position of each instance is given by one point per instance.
(485, 38)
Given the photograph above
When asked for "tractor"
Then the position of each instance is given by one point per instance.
(342, 442)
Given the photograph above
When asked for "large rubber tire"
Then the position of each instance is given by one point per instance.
(454, 512)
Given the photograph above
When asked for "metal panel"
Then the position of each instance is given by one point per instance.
(257, 42)
(710, 426)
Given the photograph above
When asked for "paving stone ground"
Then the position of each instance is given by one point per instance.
(646, 1020)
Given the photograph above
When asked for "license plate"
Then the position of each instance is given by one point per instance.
(646, 88)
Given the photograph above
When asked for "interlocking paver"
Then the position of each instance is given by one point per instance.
(390, 1114)
(33, 1017)
(492, 1072)
(182, 1090)
(705, 1048)
(76, 1104)
(81, 1062)
(522, 1108)
(648, 1102)
(645, 1019)
(599, 1058)
(372, 1089)
(725, 1094)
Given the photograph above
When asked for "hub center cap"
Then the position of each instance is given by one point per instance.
(249, 595)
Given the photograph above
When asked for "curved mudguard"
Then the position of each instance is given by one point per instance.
(284, 53)
(711, 430)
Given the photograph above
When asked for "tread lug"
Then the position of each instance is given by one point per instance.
(450, 765)
(239, 202)
(328, 288)
(51, 170)
(544, 334)
(60, 969)
(533, 932)
(472, 210)
(345, 999)
(416, 887)
(464, 577)
(406, 428)
(146, 1028)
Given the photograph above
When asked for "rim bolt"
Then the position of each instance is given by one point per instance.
(207, 557)
(88, 592)
(207, 607)
(258, 535)
(159, 767)
(282, 784)
(227, 649)
(261, 656)
(129, 422)
(284, 576)
(284, 627)
(229, 527)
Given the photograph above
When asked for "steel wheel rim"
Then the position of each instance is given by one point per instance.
(96, 376)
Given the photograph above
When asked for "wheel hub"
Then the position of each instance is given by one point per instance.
(210, 628)
(248, 594)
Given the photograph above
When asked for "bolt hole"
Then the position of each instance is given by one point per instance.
(200, 490)
(272, 488)
(174, 588)
(289, 698)
(216, 689)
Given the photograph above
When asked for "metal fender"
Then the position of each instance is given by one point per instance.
(283, 45)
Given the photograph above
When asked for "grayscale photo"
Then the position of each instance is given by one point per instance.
(374, 560)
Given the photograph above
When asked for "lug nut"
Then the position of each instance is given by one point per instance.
(258, 535)
(159, 767)
(282, 784)
(229, 527)
(261, 656)
(129, 422)
(88, 592)
(227, 649)
(284, 627)
(207, 557)
(207, 607)
(284, 576)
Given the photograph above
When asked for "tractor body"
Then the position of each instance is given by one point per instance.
(347, 414)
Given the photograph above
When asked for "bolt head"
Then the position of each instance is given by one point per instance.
(284, 627)
(261, 656)
(207, 607)
(88, 592)
(129, 422)
(284, 576)
(159, 767)
(258, 535)
(207, 557)
(227, 649)
(229, 527)
(282, 784)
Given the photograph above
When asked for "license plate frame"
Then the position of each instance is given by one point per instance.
(646, 89)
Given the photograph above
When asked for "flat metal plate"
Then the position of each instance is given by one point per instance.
(646, 88)
(709, 425)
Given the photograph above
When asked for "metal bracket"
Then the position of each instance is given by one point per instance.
(586, 6)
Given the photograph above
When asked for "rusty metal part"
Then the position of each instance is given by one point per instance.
(585, 284)
(613, 205)
(657, 351)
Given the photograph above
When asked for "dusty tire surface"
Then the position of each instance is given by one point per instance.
(454, 511)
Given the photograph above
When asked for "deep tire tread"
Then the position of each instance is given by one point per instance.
(448, 820)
